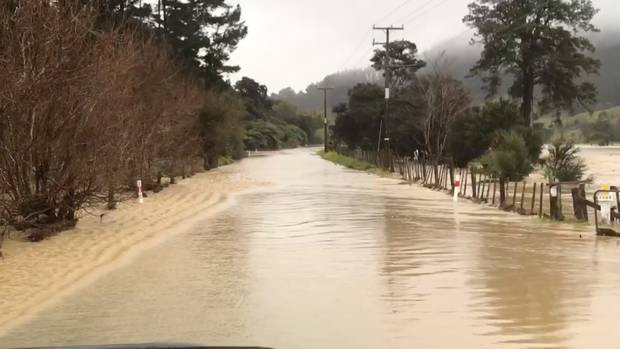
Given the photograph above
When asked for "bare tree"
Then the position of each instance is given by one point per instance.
(84, 113)
(435, 101)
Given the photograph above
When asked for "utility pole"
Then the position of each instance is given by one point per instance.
(386, 68)
(325, 89)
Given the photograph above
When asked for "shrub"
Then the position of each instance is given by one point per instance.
(509, 157)
(563, 164)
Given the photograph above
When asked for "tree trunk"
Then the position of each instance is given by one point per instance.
(527, 104)
(111, 200)
(502, 192)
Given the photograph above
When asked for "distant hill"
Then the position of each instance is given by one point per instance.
(578, 127)
(460, 57)
(311, 100)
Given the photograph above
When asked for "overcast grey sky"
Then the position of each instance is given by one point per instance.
(296, 42)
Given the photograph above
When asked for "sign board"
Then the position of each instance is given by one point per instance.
(606, 201)
(553, 191)
(605, 196)
(387, 93)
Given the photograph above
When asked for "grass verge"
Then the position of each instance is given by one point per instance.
(352, 163)
(225, 160)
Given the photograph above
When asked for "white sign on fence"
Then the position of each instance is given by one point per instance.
(553, 191)
(606, 201)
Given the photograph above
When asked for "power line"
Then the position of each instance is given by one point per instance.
(357, 49)
(393, 11)
(426, 11)
(416, 10)
(367, 34)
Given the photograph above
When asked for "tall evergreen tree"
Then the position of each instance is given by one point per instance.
(404, 61)
(204, 33)
(538, 43)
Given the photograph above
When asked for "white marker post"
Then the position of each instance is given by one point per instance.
(457, 187)
(140, 196)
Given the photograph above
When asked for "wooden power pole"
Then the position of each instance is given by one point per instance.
(325, 138)
(387, 67)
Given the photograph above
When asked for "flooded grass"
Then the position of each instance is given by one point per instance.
(353, 163)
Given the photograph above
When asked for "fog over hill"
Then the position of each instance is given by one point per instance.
(459, 56)
(311, 100)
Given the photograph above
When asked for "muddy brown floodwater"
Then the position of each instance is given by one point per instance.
(333, 258)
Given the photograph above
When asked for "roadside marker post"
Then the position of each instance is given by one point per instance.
(457, 188)
(140, 196)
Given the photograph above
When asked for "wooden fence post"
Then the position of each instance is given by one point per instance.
(473, 182)
(555, 198)
(466, 179)
(439, 183)
(452, 175)
(540, 205)
(579, 204)
(506, 193)
(522, 196)
(533, 199)
(560, 202)
(514, 197)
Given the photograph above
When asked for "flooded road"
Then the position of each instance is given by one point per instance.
(332, 258)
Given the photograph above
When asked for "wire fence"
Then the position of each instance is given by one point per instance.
(557, 201)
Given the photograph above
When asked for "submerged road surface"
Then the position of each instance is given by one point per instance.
(332, 258)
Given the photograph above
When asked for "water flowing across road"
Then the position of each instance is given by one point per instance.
(332, 258)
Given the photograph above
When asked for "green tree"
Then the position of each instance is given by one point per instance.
(472, 135)
(222, 132)
(508, 159)
(403, 58)
(357, 124)
(255, 97)
(203, 33)
(289, 114)
(537, 42)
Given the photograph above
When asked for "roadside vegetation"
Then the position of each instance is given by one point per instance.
(563, 163)
(431, 112)
(352, 163)
(346, 161)
(98, 94)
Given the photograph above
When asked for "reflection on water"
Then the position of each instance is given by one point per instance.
(331, 258)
